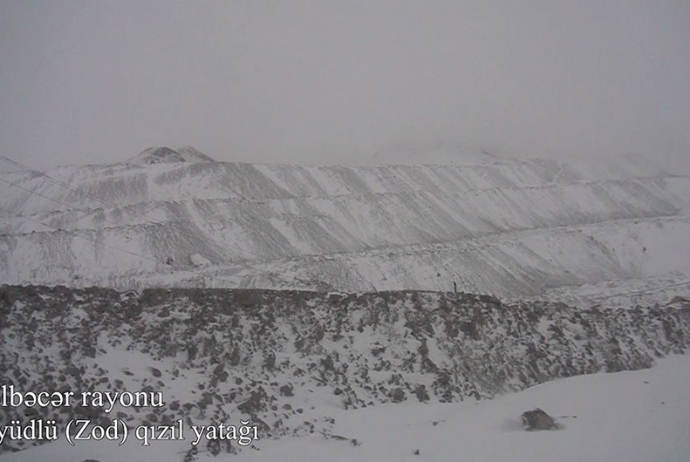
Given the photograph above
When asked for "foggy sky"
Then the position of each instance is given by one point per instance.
(319, 82)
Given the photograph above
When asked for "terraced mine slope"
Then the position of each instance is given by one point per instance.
(510, 228)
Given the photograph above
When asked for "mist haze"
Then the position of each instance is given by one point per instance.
(343, 82)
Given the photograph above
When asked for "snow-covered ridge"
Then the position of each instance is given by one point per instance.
(511, 228)
(286, 359)
(165, 155)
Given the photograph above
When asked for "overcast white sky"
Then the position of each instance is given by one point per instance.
(339, 81)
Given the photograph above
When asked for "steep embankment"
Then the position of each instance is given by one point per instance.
(285, 358)
(511, 228)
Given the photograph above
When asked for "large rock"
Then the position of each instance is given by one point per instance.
(537, 419)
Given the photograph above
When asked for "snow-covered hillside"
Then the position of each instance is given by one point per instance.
(157, 271)
(507, 227)
(291, 361)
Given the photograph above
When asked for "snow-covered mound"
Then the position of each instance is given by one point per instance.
(285, 360)
(508, 227)
(164, 155)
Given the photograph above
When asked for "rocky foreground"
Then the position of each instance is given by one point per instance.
(284, 359)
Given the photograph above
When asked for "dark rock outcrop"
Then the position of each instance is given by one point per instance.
(537, 419)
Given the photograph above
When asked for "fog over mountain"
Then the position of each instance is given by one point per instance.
(328, 83)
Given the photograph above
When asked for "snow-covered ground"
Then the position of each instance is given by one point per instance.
(492, 224)
(628, 416)
(639, 416)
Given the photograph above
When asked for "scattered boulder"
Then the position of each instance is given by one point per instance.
(537, 419)
(287, 390)
(398, 395)
(421, 393)
(255, 403)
